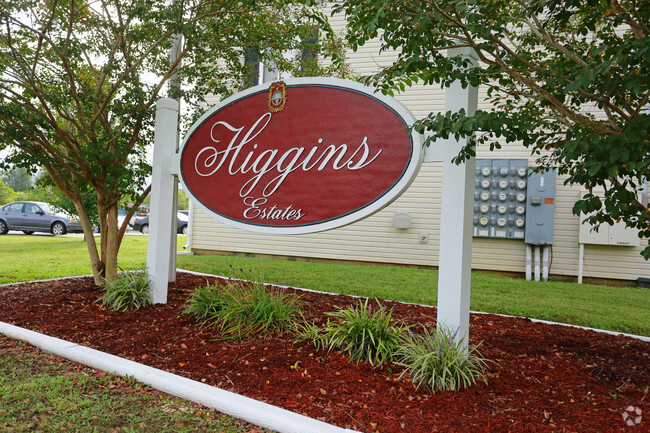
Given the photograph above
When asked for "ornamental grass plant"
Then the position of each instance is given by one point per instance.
(311, 332)
(436, 361)
(130, 291)
(206, 303)
(433, 358)
(260, 310)
(363, 333)
(239, 309)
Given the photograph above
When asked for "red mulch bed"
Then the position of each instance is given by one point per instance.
(542, 378)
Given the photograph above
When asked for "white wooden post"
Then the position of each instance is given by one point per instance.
(161, 230)
(173, 246)
(174, 85)
(455, 257)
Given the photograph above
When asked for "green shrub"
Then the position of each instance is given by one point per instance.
(240, 309)
(129, 291)
(434, 360)
(312, 333)
(206, 303)
(258, 310)
(364, 334)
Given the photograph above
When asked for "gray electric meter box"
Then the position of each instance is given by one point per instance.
(500, 192)
(540, 208)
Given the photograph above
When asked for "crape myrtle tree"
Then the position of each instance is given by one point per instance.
(569, 79)
(79, 80)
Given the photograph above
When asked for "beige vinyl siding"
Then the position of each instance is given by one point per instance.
(600, 261)
(375, 240)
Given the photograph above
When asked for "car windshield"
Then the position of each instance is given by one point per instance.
(46, 208)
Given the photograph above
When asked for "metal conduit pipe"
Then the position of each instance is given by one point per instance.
(537, 273)
(545, 262)
(581, 261)
(529, 262)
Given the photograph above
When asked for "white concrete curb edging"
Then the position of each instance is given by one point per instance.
(238, 406)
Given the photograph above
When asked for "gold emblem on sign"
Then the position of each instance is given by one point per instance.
(277, 96)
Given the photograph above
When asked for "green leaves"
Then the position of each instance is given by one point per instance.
(569, 80)
(240, 309)
(364, 333)
(130, 291)
(206, 303)
(437, 360)
(78, 81)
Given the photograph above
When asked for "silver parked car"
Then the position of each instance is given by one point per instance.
(142, 224)
(33, 216)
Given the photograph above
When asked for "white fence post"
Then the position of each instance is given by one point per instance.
(455, 257)
(161, 228)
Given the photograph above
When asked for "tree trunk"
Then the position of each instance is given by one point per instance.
(71, 192)
(89, 236)
(102, 212)
(111, 244)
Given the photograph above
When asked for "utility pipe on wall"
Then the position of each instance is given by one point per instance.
(529, 262)
(536, 262)
(581, 260)
(545, 262)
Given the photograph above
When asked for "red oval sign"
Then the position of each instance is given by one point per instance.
(298, 157)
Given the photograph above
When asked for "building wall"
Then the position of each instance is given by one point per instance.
(375, 240)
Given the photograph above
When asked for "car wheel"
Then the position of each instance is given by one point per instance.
(184, 230)
(28, 232)
(144, 229)
(58, 229)
(3, 228)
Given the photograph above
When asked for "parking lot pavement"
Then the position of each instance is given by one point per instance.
(68, 235)
(81, 235)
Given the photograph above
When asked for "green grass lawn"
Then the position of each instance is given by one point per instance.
(42, 393)
(617, 309)
(40, 257)
(25, 258)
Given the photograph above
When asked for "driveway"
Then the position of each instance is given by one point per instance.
(68, 235)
